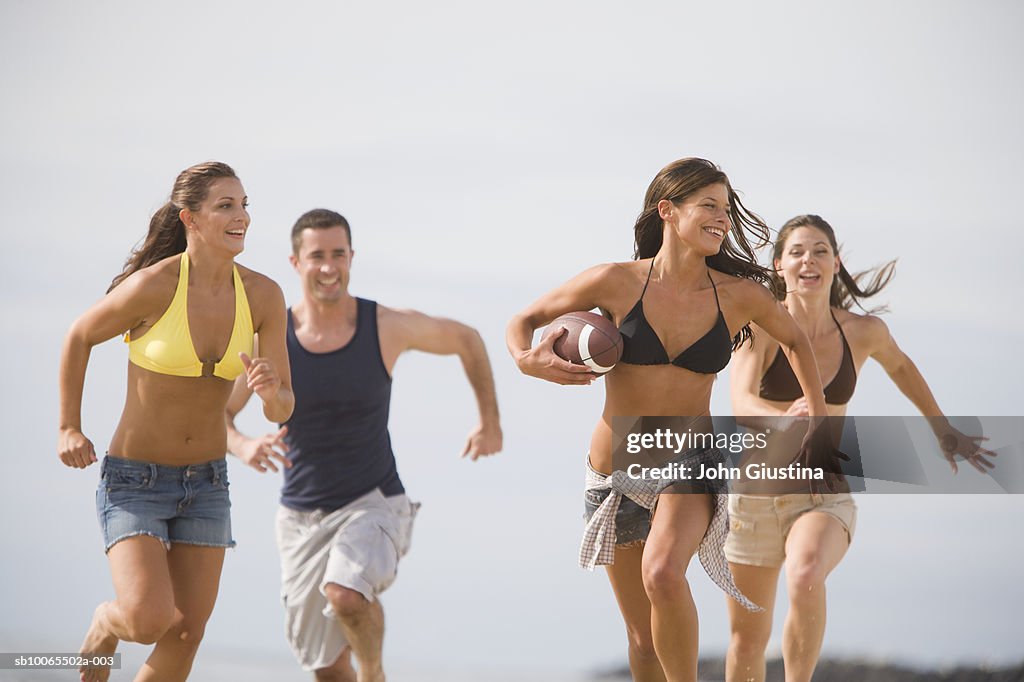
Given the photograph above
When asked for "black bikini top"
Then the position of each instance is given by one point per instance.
(641, 346)
(779, 383)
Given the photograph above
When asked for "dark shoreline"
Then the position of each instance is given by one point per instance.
(849, 670)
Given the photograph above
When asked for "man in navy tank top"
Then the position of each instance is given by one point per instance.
(344, 520)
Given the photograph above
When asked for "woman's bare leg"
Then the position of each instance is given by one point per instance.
(750, 631)
(627, 582)
(816, 544)
(677, 528)
(143, 607)
(195, 574)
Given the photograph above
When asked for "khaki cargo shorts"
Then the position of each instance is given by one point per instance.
(357, 546)
(760, 524)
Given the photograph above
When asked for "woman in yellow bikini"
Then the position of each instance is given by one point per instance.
(195, 321)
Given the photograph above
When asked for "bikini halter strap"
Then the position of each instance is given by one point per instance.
(648, 279)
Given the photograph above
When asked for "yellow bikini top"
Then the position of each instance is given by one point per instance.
(167, 347)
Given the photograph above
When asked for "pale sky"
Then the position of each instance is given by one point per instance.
(483, 155)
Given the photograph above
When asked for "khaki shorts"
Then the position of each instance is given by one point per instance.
(760, 524)
(357, 546)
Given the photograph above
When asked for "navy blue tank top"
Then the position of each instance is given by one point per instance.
(338, 438)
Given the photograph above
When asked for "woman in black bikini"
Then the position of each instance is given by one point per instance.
(689, 277)
(808, 533)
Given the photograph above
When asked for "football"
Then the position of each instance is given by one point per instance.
(590, 340)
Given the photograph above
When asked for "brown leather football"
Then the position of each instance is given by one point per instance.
(590, 340)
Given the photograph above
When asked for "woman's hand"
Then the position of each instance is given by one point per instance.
(542, 362)
(260, 373)
(819, 451)
(797, 413)
(798, 408)
(952, 443)
(74, 449)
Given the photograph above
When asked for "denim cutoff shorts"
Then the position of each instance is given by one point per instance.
(186, 504)
(633, 521)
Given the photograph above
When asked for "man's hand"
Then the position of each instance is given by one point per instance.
(483, 442)
(260, 453)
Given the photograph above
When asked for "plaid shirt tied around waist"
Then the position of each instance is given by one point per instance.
(598, 546)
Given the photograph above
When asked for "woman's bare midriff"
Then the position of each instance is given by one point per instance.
(172, 420)
(647, 391)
